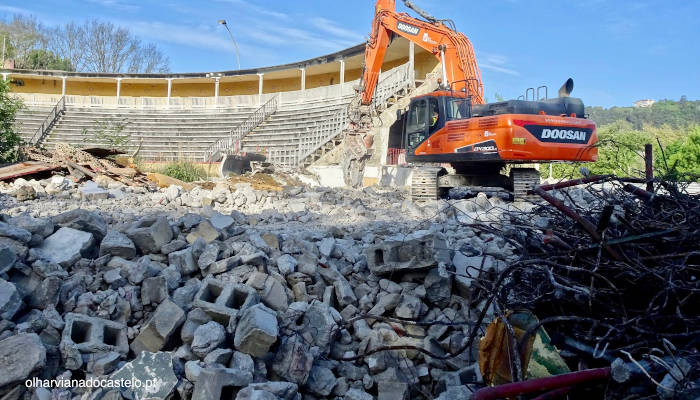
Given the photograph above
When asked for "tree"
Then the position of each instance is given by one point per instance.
(99, 46)
(682, 157)
(93, 46)
(10, 141)
(44, 59)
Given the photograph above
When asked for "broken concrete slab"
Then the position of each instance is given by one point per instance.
(154, 290)
(272, 292)
(82, 220)
(184, 260)
(149, 234)
(294, 359)
(15, 233)
(39, 226)
(8, 257)
(10, 300)
(321, 381)
(207, 337)
(256, 331)
(154, 336)
(66, 246)
(286, 264)
(91, 191)
(221, 222)
(21, 355)
(117, 244)
(392, 390)
(147, 367)
(205, 231)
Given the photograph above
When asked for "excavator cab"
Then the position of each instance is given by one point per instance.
(428, 114)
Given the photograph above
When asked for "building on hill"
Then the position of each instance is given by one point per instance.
(644, 103)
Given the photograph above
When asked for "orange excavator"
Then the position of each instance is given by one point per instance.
(451, 136)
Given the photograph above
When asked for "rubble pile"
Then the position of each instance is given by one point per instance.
(232, 292)
(225, 291)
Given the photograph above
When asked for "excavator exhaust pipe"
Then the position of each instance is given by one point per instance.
(566, 88)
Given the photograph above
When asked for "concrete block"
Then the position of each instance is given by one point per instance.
(213, 383)
(223, 301)
(93, 335)
(150, 234)
(256, 331)
(410, 254)
(117, 244)
(154, 336)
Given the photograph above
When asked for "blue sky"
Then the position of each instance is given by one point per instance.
(616, 51)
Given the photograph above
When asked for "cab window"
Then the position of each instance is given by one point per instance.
(434, 115)
(417, 116)
(458, 109)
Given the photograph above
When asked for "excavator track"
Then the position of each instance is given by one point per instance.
(424, 183)
(524, 179)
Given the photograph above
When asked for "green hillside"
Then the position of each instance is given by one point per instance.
(672, 127)
(675, 114)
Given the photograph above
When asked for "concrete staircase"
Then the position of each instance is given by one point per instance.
(29, 120)
(300, 135)
(280, 136)
(163, 134)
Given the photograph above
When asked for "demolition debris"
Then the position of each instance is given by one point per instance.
(230, 290)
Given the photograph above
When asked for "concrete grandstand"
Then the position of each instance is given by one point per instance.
(293, 113)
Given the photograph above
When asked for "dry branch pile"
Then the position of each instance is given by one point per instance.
(611, 270)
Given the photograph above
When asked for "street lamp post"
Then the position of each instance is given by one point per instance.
(235, 46)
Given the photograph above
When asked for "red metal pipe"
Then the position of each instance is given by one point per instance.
(541, 384)
(586, 224)
(574, 182)
(639, 192)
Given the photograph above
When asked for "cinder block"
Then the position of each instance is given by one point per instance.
(404, 255)
(92, 335)
(223, 301)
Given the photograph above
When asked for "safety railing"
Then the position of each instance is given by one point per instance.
(48, 122)
(240, 131)
(320, 133)
(393, 81)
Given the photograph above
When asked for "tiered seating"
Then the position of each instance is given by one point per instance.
(29, 119)
(281, 132)
(165, 134)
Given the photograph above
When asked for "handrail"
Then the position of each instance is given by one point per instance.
(50, 119)
(323, 131)
(392, 81)
(240, 131)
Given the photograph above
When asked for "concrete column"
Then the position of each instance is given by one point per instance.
(170, 89)
(260, 88)
(411, 62)
(216, 91)
(303, 79)
(4, 76)
(342, 71)
(119, 89)
(63, 86)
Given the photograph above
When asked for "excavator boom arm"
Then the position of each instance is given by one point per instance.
(453, 49)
